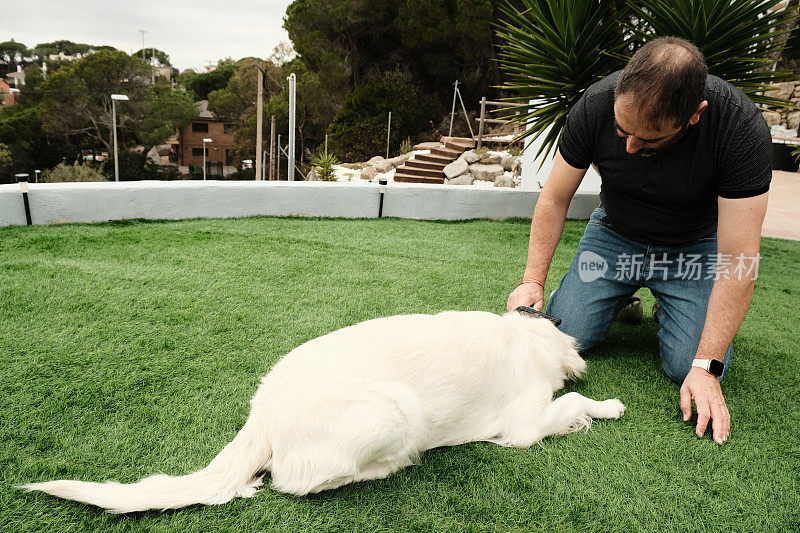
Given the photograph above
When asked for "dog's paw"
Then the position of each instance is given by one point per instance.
(610, 409)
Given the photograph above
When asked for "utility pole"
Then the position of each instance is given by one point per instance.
(259, 121)
(272, 149)
(292, 109)
(143, 32)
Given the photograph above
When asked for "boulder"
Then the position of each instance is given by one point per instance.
(464, 179)
(508, 161)
(772, 118)
(782, 89)
(384, 165)
(456, 168)
(427, 146)
(491, 158)
(504, 180)
(470, 156)
(399, 160)
(312, 175)
(368, 173)
(793, 120)
(485, 172)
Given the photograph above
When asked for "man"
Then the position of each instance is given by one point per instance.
(685, 161)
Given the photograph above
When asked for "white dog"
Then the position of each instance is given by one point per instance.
(364, 401)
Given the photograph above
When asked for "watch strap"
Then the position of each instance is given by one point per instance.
(712, 366)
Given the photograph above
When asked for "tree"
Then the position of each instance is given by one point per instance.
(358, 131)
(202, 84)
(77, 98)
(13, 52)
(6, 165)
(43, 50)
(77, 101)
(159, 115)
(150, 53)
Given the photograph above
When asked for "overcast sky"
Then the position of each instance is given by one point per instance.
(191, 32)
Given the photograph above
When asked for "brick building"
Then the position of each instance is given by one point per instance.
(7, 94)
(219, 152)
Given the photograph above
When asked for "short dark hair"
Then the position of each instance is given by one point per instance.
(667, 77)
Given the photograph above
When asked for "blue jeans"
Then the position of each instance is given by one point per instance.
(608, 268)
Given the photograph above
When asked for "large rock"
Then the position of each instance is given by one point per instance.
(483, 172)
(772, 118)
(471, 157)
(491, 158)
(375, 160)
(399, 160)
(384, 165)
(456, 168)
(504, 180)
(428, 146)
(368, 172)
(782, 89)
(508, 162)
(793, 120)
(464, 179)
(312, 175)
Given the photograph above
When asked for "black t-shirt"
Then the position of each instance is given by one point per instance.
(671, 196)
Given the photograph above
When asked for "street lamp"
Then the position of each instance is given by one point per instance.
(204, 157)
(114, 98)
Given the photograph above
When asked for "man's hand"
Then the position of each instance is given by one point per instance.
(705, 390)
(529, 294)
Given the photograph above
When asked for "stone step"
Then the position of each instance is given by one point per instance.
(410, 178)
(433, 158)
(459, 146)
(446, 152)
(460, 140)
(416, 163)
(413, 171)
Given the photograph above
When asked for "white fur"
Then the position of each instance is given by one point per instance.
(364, 401)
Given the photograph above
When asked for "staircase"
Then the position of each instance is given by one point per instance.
(429, 168)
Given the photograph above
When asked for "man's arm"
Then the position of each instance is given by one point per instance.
(738, 236)
(546, 228)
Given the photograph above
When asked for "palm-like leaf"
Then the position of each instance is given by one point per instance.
(553, 50)
(738, 38)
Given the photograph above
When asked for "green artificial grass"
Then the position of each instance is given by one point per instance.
(128, 349)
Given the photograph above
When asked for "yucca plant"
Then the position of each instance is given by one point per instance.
(738, 38)
(323, 164)
(552, 51)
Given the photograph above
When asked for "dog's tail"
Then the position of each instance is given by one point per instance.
(231, 473)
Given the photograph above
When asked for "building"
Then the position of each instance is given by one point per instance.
(16, 78)
(8, 96)
(219, 152)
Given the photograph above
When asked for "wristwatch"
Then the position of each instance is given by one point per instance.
(712, 366)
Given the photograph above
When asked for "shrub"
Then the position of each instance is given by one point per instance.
(323, 164)
(134, 166)
(405, 146)
(63, 173)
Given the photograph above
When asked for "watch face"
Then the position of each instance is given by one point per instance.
(716, 367)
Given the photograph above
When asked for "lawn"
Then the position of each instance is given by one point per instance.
(133, 348)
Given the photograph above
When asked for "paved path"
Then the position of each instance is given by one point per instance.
(783, 210)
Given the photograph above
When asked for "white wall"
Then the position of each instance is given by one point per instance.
(53, 203)
(532, 176)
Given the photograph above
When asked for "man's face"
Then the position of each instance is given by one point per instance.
(639, 135)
